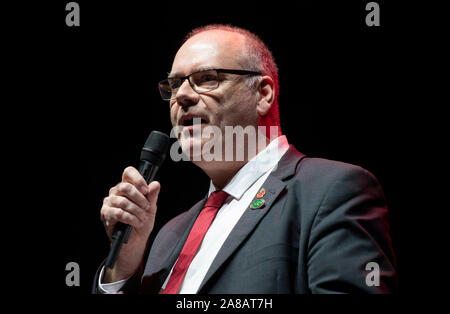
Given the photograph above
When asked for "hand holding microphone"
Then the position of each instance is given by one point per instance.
(128, 212)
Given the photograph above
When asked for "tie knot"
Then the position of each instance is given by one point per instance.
(216, 199)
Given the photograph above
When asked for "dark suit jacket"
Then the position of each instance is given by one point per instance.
(322, 223)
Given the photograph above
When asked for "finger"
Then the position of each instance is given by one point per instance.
(131, 175)
(131, 192)
(126, 205)
(112, 215)
(152, 195)
(109, 228)
(107, 223)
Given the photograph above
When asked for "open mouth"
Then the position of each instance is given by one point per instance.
(193, 121)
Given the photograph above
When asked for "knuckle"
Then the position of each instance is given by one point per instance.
(122, 202)
(119, 202)
(128, 171)
(109, 201)
(118, 214)
(106, 201)
(125, 188)
(104, 212)
(145, 207)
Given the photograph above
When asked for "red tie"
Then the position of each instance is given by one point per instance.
(194, 240)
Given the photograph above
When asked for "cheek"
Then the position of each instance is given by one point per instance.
(173, 114)
(242, 111)
(212, 106)
(231, 108)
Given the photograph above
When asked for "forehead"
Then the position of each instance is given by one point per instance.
(209, 49)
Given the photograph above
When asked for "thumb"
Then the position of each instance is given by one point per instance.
(153, 192)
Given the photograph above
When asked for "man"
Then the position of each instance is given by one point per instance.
(288, 224)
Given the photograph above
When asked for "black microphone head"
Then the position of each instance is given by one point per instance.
(155, 148)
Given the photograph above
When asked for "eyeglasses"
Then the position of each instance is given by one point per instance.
(200, 81)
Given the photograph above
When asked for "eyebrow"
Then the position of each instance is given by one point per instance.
(178, 75)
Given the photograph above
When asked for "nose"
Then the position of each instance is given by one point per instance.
(186, 96)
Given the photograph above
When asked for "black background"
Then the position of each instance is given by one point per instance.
(90, 97)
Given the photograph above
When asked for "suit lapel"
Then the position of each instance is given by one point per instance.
(245, 225)
(249, 220)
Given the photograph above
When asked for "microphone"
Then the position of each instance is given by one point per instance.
(152, 156)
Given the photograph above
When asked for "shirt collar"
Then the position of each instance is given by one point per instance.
(264, 161)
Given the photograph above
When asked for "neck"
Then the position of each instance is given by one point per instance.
(221, 172)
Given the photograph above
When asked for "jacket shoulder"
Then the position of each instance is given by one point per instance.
(319, 181)
(324, 172)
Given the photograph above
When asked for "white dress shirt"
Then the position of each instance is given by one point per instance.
(241, 189)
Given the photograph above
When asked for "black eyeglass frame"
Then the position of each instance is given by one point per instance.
(188, 77)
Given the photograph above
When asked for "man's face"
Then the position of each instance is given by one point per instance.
(232, 103)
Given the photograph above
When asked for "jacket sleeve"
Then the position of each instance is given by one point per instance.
(349, 240)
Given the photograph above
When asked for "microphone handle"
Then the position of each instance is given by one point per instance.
(122, 231)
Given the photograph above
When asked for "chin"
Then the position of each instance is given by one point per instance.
(192, 148)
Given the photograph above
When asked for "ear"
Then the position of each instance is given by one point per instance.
(266, 95)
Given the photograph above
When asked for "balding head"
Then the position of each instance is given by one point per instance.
(208, 49)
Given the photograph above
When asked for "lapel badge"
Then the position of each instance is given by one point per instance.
(261, 193)
(257, 204)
